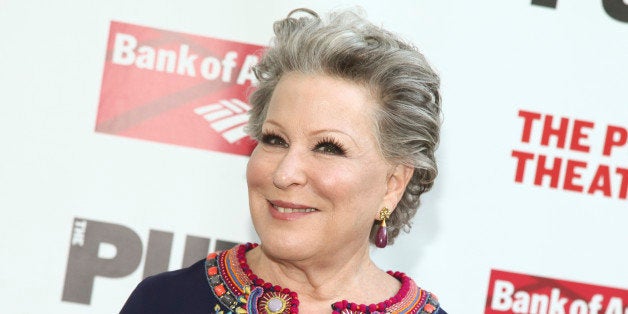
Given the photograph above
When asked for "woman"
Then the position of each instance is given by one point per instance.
(347, 117)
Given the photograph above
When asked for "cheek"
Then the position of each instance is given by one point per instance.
(361, 186)
(258, 179)
(257, 170)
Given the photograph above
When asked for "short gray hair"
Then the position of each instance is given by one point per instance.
(345, 45)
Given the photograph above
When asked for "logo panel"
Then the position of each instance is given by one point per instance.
(519, 293)
(177, 88)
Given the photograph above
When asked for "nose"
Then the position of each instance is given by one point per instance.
(291, 170)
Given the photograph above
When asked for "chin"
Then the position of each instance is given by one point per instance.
(289, 248)
(287, 240)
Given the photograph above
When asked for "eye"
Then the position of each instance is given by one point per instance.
(330, 147)
(272, 139)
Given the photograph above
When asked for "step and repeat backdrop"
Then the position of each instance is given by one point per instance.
(124, 155)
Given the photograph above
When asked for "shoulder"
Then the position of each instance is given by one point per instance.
(431, 305)
(413, 299)
(440, 311)
(174, 281)
(171, 292)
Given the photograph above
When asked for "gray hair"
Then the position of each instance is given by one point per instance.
(345, 45)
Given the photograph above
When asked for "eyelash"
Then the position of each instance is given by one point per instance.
(327, 145)
(269, 138)
(330, 146)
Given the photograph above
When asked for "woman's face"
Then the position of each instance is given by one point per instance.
(317, 178)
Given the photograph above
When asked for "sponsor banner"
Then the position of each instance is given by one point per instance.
(112, 250)
(572, 154)
(519, 293)
(177, 88)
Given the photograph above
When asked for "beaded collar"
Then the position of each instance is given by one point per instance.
(238, 290)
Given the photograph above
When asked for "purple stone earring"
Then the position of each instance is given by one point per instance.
(382, 234)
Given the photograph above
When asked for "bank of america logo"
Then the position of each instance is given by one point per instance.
(227, 117)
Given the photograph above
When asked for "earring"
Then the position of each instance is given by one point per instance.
(382, 234)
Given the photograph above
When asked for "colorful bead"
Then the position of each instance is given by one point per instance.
(275, 305)
(429, 308)
(220, 290)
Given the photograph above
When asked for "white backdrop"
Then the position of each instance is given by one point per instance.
(495, 59)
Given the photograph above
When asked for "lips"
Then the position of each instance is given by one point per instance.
(289, 211)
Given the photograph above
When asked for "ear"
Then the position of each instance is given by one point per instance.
(396, 185)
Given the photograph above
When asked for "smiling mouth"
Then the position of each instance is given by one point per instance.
(290, 208)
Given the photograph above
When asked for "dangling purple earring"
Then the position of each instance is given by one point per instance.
(382, 234)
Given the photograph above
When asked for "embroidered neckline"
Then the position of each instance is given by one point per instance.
(239, 290)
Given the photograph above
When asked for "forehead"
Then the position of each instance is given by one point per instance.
(322, 100)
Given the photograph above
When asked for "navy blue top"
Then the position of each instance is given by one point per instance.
(180, 291)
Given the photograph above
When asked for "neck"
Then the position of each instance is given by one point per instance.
(327, 278)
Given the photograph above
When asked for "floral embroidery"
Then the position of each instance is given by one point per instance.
(240, 291)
